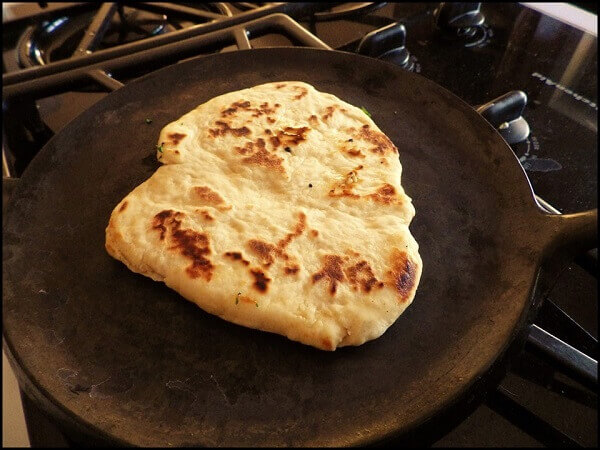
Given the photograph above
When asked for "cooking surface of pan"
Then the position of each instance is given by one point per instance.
(135, 362)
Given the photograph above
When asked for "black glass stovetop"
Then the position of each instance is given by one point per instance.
(556, 66)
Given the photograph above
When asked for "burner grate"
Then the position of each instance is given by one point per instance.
(162, 55)
(293, 10)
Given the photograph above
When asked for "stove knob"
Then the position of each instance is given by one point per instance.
(505, 114)
(387, 43)
(459, 18)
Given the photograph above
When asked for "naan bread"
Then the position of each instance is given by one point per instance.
(278, 208)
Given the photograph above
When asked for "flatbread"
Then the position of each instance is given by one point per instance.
(279, 208)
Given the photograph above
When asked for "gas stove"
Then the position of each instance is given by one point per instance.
(532, 74)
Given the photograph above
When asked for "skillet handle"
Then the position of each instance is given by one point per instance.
(571, 234)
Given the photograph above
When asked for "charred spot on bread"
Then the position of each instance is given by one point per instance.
(402, 275)
(331, 271)
(267, 252)
(298, 230)
(237, 256)
(328, 113)
(206, 215)
(176, 137)
(360, 275)
(203, 195)
(223, 128)
(263, 250)
(265, 159)
(302, 91)
(189, 243)
(261, 281)
(386, 195)
(381, 143)
(291, 270)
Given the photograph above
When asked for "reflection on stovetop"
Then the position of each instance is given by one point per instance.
(479, 54)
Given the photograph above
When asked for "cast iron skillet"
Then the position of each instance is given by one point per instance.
(123, 358)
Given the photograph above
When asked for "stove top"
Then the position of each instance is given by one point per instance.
(531, 75)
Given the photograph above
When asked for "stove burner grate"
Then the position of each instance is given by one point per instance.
(110, 26)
